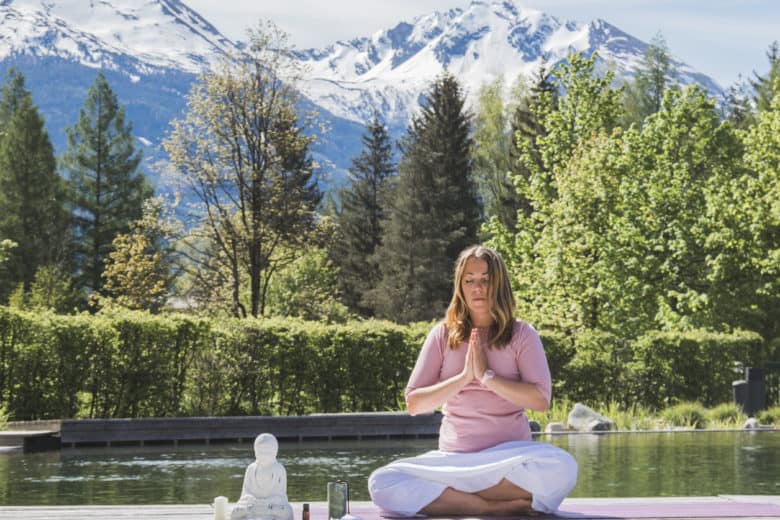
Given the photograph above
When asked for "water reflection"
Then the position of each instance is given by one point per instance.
(616, 465)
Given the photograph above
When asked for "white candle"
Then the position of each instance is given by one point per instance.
(220, 508)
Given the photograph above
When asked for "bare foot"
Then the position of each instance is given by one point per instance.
(519, 506)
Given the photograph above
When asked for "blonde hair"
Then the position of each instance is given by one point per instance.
(502, 301)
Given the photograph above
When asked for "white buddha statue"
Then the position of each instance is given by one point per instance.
(264, 493)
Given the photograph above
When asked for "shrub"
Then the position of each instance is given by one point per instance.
(686, 415)
(670, 367)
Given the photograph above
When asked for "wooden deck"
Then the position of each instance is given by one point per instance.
(720, 507)
(69, 433)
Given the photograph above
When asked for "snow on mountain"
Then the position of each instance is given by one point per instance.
(108, 34)
(152, 50)
(390, 69)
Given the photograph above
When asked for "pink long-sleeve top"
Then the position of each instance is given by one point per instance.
(477, 418)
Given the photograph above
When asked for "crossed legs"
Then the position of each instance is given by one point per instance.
(504, 498)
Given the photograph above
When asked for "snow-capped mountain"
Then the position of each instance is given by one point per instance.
(152, 50)
(111, 34)
(390, 69)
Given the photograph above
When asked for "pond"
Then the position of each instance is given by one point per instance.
(611, 465)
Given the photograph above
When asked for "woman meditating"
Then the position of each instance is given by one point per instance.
(485, 368)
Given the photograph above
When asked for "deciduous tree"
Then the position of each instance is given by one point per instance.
(242, 152)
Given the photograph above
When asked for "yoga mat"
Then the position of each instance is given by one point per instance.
(678, 507)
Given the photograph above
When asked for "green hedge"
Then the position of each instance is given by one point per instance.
(671, 367)
(128, 364)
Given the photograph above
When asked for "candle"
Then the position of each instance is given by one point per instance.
(220, 508)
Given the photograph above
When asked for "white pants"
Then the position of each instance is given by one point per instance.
(406, 486)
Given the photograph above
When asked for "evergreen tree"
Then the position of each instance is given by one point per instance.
(652, 78)
(528, 126)
(32, 195)
(108, 190)
(737, 105)
(763, 85)
(360, 219)
(435, 210)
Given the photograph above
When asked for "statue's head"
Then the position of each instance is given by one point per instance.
(266, 448)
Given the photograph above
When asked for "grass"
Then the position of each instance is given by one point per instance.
(3, 417)
(770, 416)
(686, 415)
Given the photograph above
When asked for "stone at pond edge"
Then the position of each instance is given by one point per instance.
(585, 419)
(535, 427)
(751, 424)
(555, 427)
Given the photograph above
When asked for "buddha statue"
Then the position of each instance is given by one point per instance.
(264, 493)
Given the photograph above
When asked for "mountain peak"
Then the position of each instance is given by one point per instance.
(100, 33)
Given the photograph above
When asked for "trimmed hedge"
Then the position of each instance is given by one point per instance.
(130, 364)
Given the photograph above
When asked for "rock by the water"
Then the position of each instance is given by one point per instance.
(585, 419)
(535, 427)
(555, 427)
(751, 424)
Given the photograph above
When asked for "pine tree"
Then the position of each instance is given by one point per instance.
(435, 210)
(32, 195)
(361, 216)
(763, 85)
(737, 105)
(108, 190)
(528, 126)
(653, 77)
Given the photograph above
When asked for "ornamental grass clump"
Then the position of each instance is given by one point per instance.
(726, 415)
(769, 417)
(3, 417)
(634, 417)
(686, 415)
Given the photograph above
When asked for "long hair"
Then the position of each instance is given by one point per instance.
(502, 301)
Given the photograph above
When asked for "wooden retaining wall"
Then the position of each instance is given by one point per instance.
(173, 430)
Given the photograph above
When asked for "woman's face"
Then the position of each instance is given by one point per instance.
(474, 284)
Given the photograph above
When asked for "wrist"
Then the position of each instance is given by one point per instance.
(487, 375)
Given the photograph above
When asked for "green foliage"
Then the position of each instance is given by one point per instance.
(686, 415)
(120, 363)
(764, 86)
(644, 95)
(597, 370)
(32, 195)
(493, 144)
(361, 217)
(307, 289)
(435, 209)
(4, 416)
(725, 415)
(108, 190)
(242, 153)
(770, 416)
(668, 367)
(758, 194)
(53, 289)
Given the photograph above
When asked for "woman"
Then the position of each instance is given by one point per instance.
(485, 368)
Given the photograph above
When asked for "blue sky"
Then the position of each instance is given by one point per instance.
(722, 38)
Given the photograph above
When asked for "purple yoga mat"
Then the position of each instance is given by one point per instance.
(712, 509)
(675, 508)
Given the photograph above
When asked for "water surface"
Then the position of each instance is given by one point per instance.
(611, 465)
